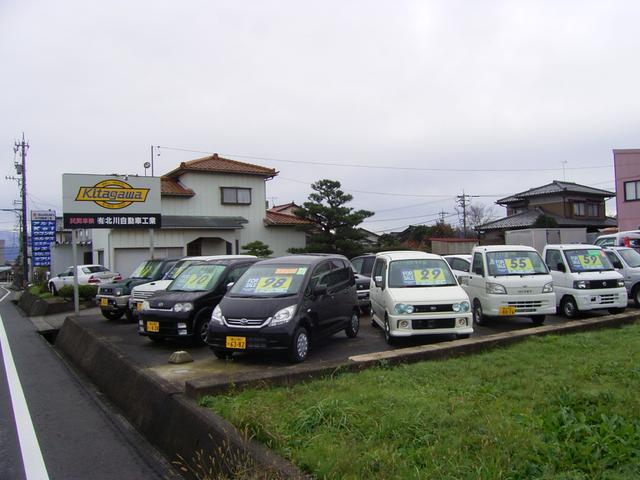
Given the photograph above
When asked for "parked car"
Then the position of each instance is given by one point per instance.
(113, 298)
(415, 293)
(87, 275)
(184, 309)
(460, 265)
(363, 264)
(626, 261)
(285, 303)
(584, 279)
(142, 292)
(509, 280)
(362, 267)
(629, 238)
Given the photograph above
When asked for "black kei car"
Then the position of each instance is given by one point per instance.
(184, 308)
(362, 266)
(283, 304)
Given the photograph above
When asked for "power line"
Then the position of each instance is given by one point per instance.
(392, 167)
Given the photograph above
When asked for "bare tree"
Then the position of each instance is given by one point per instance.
(479, 214)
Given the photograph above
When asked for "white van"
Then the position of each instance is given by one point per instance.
(584, 279)
(509, 280)
(415, 293)
(626, 261)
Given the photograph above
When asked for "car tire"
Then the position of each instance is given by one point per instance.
(387, 332)
(635, 295)
(616, 310)
(538, 319)
(110, 315)
(478, 315)
(128, 315)
(201, 328)
(222, 353)
(299, 348)
(462, 336)
(354, 325)
(52, 288)
(569, 308)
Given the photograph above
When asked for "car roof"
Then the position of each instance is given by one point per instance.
(408, 255)
(216, 257)
(573, 246)
(505, 248)
(458, 255)
(306, 259)
(225, 261)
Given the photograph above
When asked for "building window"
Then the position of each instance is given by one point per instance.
(632, 190)
(578, 209)
(236, 196)
(592, 209)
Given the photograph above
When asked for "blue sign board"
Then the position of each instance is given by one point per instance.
(43, 234)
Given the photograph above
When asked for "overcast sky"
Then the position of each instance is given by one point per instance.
(480, 88)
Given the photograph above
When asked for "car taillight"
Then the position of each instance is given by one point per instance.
(117, 278)
(93, 279)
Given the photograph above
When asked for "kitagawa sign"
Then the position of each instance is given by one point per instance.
(110, 201)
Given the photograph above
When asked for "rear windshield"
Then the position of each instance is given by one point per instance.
(587, 260)
(515, 262)
(270, 281)
(94, 269)
(632, 257)
(420, 273)
(197, 278)
(147, 269)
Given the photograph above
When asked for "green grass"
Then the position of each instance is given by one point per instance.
(556, 407)
(41, 291)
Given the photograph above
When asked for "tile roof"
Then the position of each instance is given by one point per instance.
(556, 186)
(172, 187)
(216, 164)
(276, 218)
(528, 218)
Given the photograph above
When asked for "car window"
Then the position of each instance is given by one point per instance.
(316, 275)
(587, 260)
(198, 278)
(236, 273)
(367, 266)
(515, 262)
(335, 279)
(377, 269)
(478, 265)
(632, 257)
(94, 269)
(606, 242)
(357, 264)
(553, 258)
(615, 261)
(460, 264)
(420, 272)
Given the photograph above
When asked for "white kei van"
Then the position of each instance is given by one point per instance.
(415, 293)
(509, 280)
(584, 279)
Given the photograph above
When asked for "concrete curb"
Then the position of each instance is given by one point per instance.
(193, 436)
(203, 386)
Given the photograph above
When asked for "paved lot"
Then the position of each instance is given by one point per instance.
(338, 347)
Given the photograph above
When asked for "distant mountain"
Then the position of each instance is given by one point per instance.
(11, 245)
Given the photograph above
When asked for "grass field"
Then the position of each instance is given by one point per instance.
(556, 407)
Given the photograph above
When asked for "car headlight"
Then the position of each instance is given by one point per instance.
(460, 307)
(216, 315)
(402, 308)
(117, 292)
(581, 284)
(621, 283)
(548, 288)
(496, 289)
(283, 316)
(145, 305)
(183, 307)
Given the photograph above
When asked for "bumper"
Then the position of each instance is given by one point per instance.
(601, 298)
(264, 338)
(111, 303)
(363, 299)
(519, 305)
(420, 324)
(165, 324)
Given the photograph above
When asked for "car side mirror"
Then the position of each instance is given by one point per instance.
(378, 281)
(229, 285)
(319, 290)
(561, 267)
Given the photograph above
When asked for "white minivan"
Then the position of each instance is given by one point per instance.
(509, 280)
(415, 293)
(584, 279)
(626, 261)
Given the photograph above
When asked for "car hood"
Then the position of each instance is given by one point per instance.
(426, 295)
(169, 299)
(153, 286)
(243, 307)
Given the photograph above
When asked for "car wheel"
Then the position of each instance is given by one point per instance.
(387, 331)
(222, 353)
(478, 316)
(129, 315)
(635, 294)
(52, 288)
(110, 315)
(616, 310)
(569, 308)
(201, 329)
(299, 348)
(538, 319)
(354, 326)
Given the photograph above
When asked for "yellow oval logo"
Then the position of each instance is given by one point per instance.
(112, 194)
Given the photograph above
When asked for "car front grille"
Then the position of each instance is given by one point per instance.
(245, 322)
(142, 295)
(105, 291)
(608, 299)
(444, 307)
(596, 284)
(526, 306)
(431, 323)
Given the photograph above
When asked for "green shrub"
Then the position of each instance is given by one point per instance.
(85, 292)
(66, 291)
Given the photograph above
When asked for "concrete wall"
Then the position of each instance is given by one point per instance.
(627, 168)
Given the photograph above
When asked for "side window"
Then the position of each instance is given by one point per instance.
(552, 259)
(377, 268)
(336, 279)
(478, 265)
(615, 261)
(357, 264)
(317, 275)
(236, 273)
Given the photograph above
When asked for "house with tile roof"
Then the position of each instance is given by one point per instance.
(209, 206)
(570, 204)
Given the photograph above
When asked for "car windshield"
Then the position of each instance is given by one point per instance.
(422, 272)
(177, 269)
(197, 278)
(515, 262)
(270, 281)
(147, 269)
(587, 260)
(632, 257)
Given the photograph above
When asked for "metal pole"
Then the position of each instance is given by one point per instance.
(76, 299)
(152, 160)
(25, 247)
(151, 242)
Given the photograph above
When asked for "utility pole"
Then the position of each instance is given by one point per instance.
(463, 201)
(21, 169)
(442, 214)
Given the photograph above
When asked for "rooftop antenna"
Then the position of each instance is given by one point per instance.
(564, 176)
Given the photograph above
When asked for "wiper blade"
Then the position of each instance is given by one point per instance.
(280, 295)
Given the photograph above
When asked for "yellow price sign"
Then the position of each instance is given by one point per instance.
(427, 276)
(519, 265)
(590, 261)
(273, 284)
(198, 281)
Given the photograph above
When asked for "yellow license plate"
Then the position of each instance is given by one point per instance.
(236, 342)
(138, 307)
(153, 326)
(104, 302)
(507, 310)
